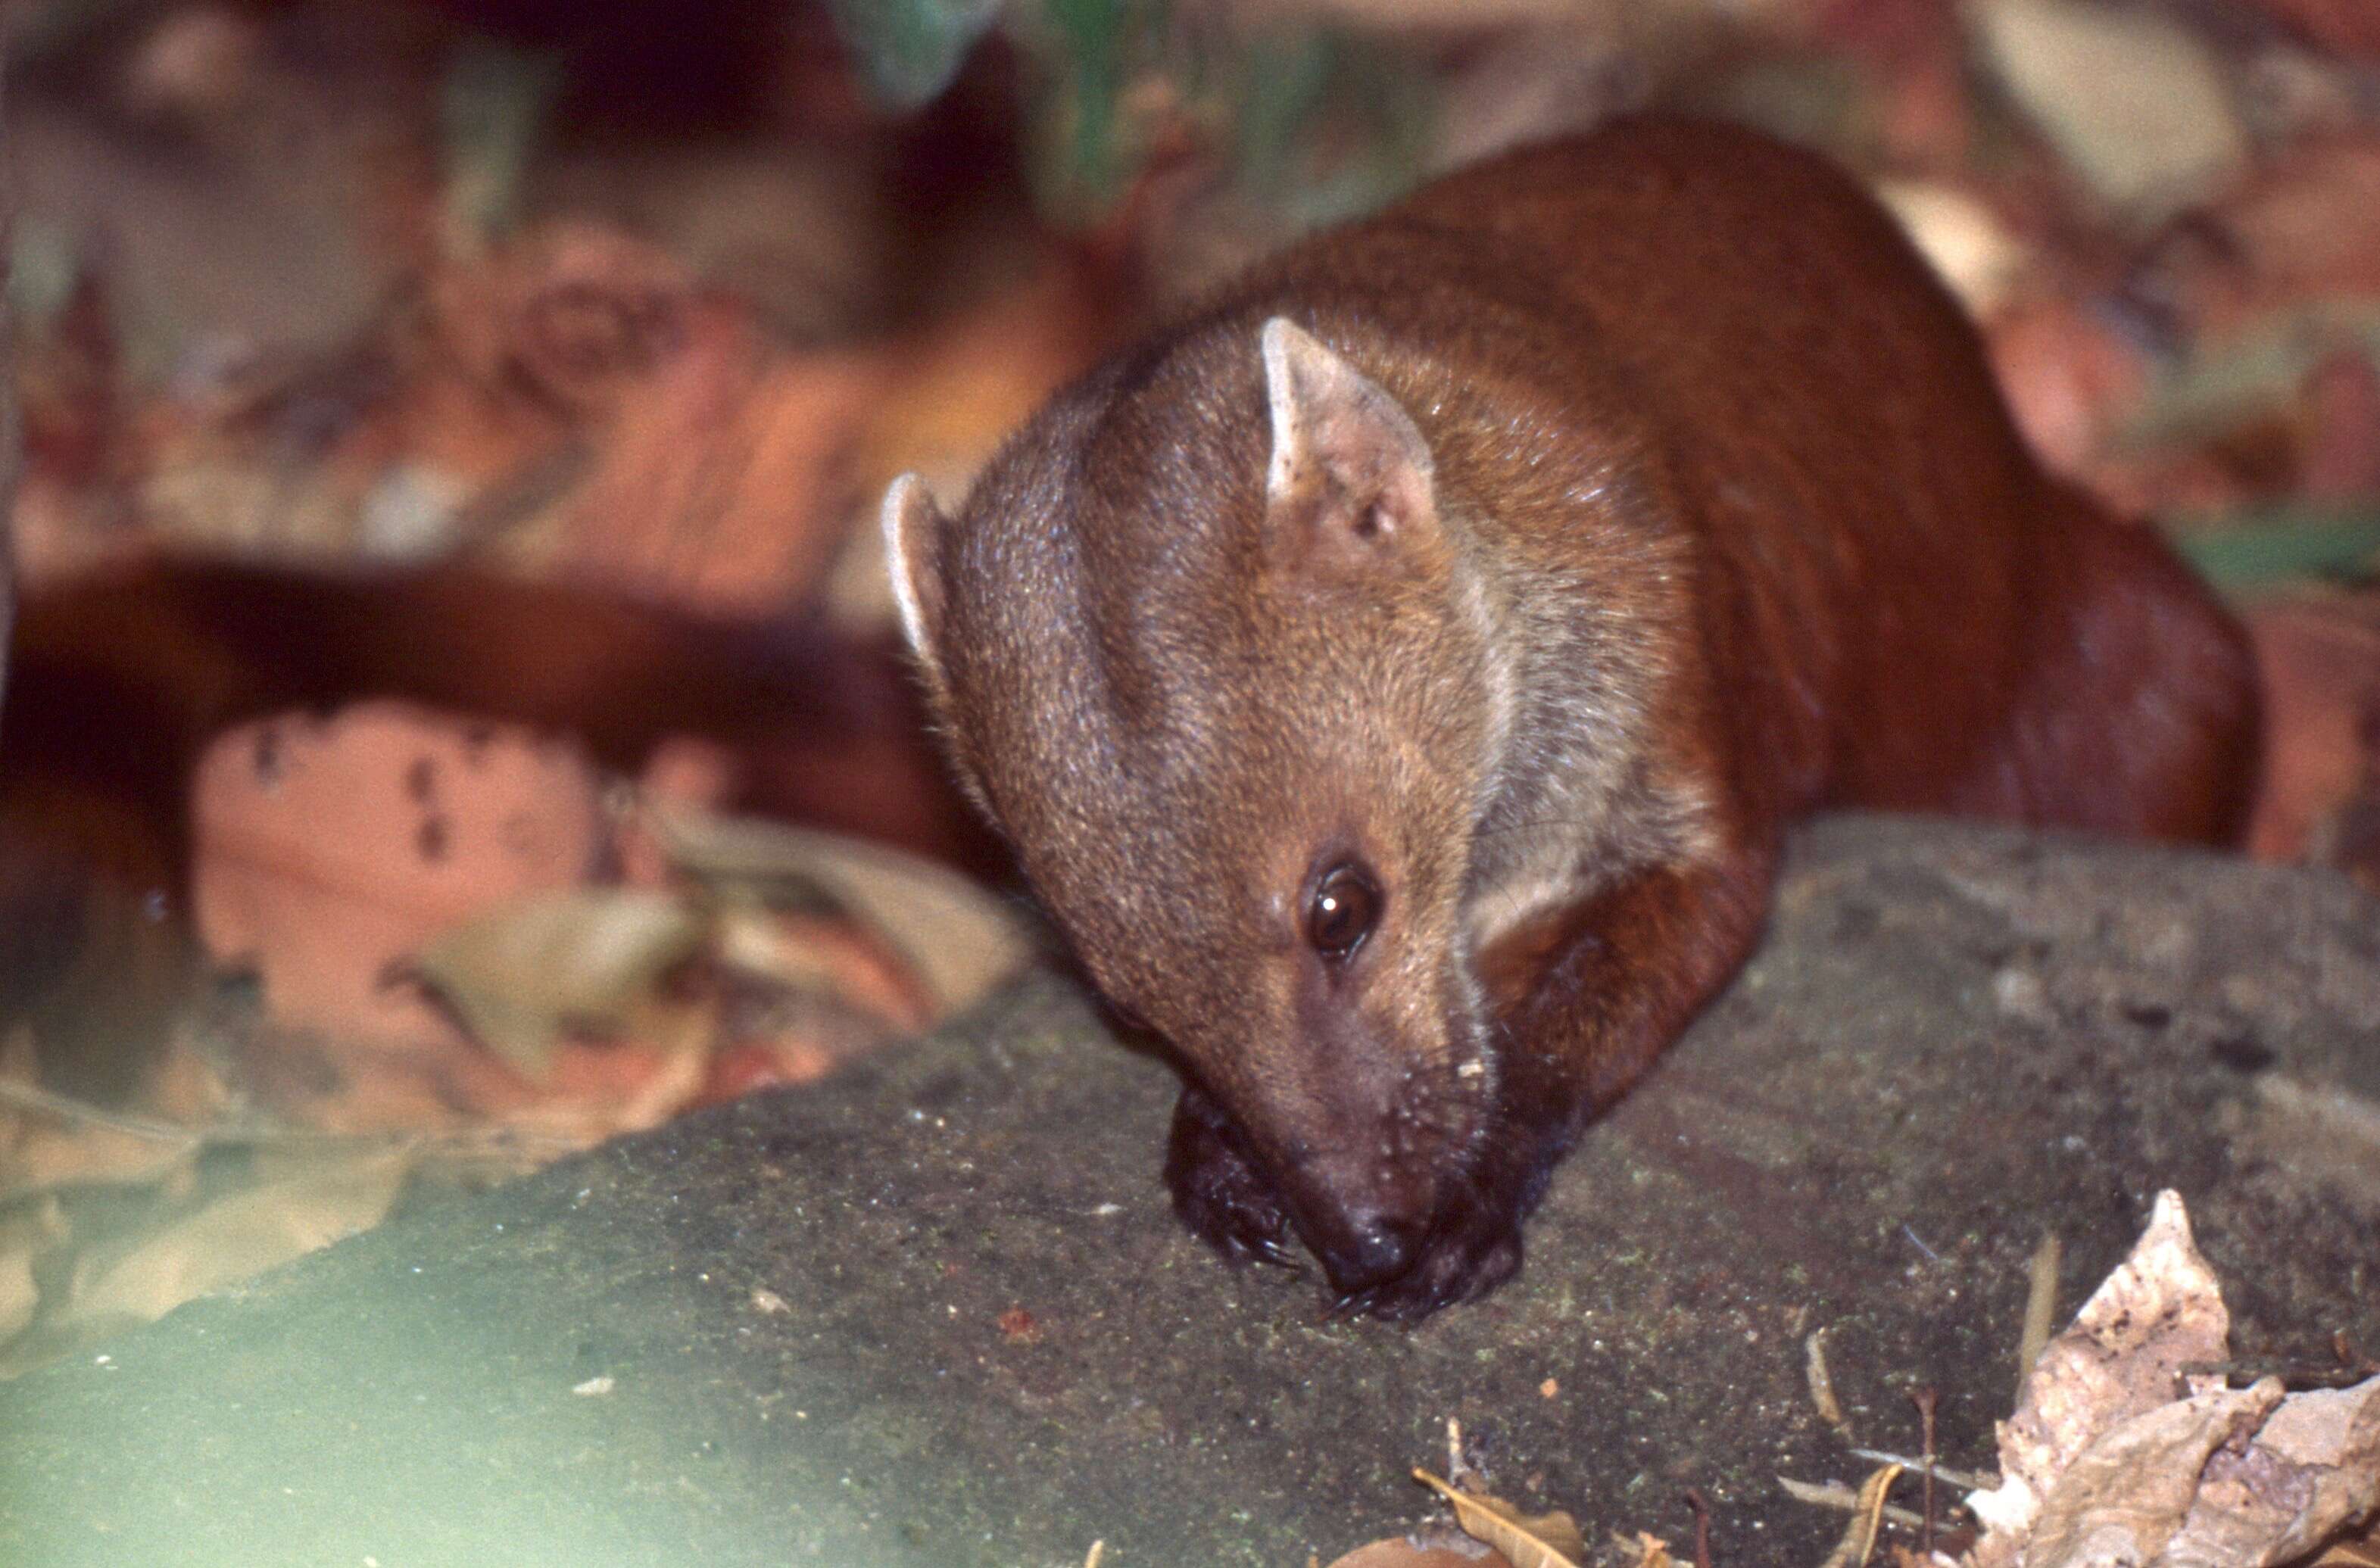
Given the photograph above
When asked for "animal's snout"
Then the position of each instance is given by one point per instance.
(1363, 1250)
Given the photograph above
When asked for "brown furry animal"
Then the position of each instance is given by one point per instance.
(1395, 678)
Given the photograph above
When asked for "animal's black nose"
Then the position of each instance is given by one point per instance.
(1371, 1250)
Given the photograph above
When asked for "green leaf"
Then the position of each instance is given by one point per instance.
(2258, 548)
(908, 50)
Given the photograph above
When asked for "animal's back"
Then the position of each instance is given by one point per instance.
(1903, 610)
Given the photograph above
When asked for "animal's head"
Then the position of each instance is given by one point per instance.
(1206, 647)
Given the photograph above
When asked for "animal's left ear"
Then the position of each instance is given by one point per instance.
(914, 526)
(1349, 470)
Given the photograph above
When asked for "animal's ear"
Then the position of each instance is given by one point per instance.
(1350, 471)
(914, 527)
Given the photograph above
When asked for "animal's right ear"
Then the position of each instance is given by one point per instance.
(914, 527)
(1351, 475)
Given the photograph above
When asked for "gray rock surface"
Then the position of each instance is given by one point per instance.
(936, 1312)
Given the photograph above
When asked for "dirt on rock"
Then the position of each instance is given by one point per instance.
(936, 1311)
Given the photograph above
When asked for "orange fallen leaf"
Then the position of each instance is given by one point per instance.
(329, 851)
(1540, 1540)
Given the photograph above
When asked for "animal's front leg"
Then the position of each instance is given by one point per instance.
(1582, 1002)
(1217, 1190)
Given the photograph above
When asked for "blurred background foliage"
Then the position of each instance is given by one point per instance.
(392, 277)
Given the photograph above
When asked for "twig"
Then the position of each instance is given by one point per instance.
(1695, 1501)
(2040, 1311)
(1822, 1383)
(1966, 1480)
(2296, 1374)
(1925, 1399)
(25, 1097)
(1835, 1495)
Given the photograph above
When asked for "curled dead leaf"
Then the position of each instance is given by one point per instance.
(2158, 1311)
(1540, 1540)
(958, 940)
(522, 974)
(2313, 1465)
(1867, 1519)
(2101, 1465)
(311, 1201)
(328, 850)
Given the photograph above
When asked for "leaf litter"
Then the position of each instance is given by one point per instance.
(563, 1016)
(2126, 1448)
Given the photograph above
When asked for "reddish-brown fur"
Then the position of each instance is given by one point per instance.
(1618, 502)
(122, 675)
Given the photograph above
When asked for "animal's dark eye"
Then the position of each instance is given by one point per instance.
(1343, 911)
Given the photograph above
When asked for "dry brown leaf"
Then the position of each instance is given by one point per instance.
(1867, 1519)
(2122, 1498)
(2102, 1466)
(1542, 1540)
(309, 1202)
(579, 312)
(570, 400)
(2158, 1311)
(2313, 1465)
(725, 479)
(523, 974)
(958, 940)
